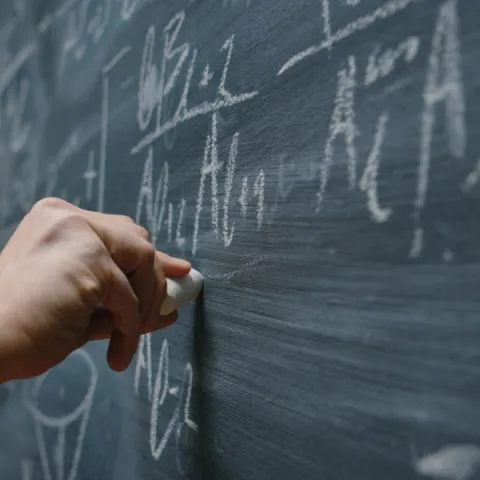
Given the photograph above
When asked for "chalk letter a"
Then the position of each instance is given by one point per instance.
(341, 123)
(443, 85)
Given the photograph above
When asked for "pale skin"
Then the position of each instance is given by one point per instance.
(69, 276)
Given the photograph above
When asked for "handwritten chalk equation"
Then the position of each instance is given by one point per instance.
(19, 158)
(177, 62)
(94, 175)
(443, 85)
(174, 68)
(83, 23)
(165, 220)
(384, 11)
(443, 88)
(164, 217)
(179, 425)
(18, 141)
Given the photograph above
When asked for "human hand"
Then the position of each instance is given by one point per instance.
(69, 276)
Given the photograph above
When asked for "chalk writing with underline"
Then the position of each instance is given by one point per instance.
(387, 10)
(160, 75)
(155, 85)
(235, 192)
(218, 177)
(157, 212)
(162, 216)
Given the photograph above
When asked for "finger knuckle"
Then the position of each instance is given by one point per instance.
(63, 226)
(148, 252)
(95, 251)
(107, 281)
(59, 225)
(49, 203)
(90, 288)
(143, 233)
(126, 219)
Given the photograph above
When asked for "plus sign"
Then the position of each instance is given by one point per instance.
(206, 77)
(90, 175)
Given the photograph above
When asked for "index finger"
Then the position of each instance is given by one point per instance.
(173, 267)
(128, 247)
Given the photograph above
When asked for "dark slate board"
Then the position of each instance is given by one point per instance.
(318, 162)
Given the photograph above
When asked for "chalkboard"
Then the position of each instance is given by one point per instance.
(318, 162)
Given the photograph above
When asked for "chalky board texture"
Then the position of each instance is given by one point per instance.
(318, 162)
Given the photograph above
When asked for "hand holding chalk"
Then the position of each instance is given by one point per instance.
(181, 291)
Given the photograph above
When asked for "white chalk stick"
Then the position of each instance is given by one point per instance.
(181, 291)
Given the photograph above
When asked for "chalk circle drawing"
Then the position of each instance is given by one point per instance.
(61, 462)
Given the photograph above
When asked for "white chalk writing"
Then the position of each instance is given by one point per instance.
(206, 77)
(259, 190)
(154, 203)
(13, 113)
(380, 65)
(211, 167)
(64, 155)
(76, 421)
(341, 123)
(159, 395)
(472, 178)
(26, 466)
(11, 65)
(228, 232)
(90, 175)
(252, 265)
(104, 124)
(368, 183)
(243, 200)
(388, 9)
(180, 418)
(154, 87)
(443, 84)
(179, 239)
(98, 23)
(128, 8)
(144, 362)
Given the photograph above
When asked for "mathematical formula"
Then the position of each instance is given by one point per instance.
(180, 423)
(170, 64)
(169, 70)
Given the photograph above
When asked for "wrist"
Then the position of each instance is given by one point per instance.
(9, 355)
